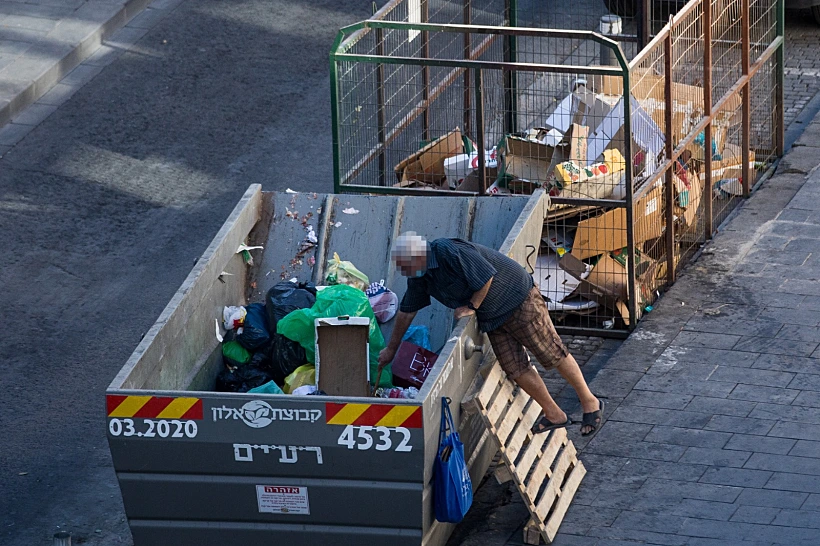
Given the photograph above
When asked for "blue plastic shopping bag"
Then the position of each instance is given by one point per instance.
(453, 489)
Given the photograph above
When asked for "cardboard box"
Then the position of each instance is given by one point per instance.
(574, 144)
(581, 107)
(607, 232)
(343, 356)
(530, 160)
(427, 165)
(607, 283)
(646, 135)
(412, 365)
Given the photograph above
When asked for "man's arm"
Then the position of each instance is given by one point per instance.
(403, 321)
(477, 299)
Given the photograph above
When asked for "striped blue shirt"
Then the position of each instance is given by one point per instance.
(458, 269)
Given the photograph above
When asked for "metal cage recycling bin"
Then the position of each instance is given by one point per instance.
(643, 152)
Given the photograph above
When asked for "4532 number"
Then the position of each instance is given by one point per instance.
(378, 438)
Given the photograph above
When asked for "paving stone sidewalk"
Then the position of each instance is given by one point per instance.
(41, 41)
(713, 404)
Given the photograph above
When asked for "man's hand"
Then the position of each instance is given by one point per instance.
(463, 312)
(386, 357)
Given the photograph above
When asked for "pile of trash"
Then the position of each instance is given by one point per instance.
(270, 347)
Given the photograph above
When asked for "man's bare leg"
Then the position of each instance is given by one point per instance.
(571, 372)
(533, 385)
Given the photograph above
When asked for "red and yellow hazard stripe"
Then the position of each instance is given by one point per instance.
(154, 407)
(379, 415)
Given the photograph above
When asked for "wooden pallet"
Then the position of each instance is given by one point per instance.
(545, 467)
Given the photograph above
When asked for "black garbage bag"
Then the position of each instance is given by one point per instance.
(282, 299)
(243, 378)
(286, 297)
(284, 356)
(255, 334)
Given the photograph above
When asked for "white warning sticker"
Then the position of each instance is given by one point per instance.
(282, 499)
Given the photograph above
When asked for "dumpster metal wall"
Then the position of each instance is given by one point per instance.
(197, 467)
(400, 85)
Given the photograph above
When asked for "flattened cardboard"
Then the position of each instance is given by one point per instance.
(607, 232)
(529, 160)
(343, 356)
(607, 283)
(427, 165)
(607, 287)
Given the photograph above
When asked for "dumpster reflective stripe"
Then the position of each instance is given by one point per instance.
(381, 415)
(150, 407)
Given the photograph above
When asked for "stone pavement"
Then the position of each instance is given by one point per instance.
(713, 404)
(41, 41)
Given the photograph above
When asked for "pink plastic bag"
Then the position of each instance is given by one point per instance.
(383, 301)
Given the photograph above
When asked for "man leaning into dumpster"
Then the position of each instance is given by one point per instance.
(474, 279)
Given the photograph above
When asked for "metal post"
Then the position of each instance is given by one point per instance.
(669, 210)
(629, 186)
(380, 105)
(780, 117)
(708, 226)
(479, 121)
(62, 539)
(747, 99)
(511, 77)
(645, 23)
(610, 25)
(467, 56)
(334, 115)
(425, 71)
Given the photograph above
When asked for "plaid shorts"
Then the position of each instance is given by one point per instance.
(529, 326)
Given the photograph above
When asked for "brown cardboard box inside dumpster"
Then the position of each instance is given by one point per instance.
(608, 232)
(342, 359)
(427, 165)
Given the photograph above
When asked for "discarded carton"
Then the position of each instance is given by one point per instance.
(581, 107)
(607, 232)
(554, 283)
(529, 160)
(607, 282)
(427, 165)
(574, 144)
(570, 172)
(646, 135)
(342, 356)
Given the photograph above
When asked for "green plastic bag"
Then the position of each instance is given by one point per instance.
(336, 301)
(234, 354)
(268, 388)
(339, 272)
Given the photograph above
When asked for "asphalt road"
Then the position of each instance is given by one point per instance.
(106, 205)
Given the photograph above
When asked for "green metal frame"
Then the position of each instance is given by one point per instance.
(344, 43)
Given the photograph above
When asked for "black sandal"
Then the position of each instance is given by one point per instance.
(543, 425)
(593, 419)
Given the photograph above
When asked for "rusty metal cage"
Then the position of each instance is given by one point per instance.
(643, 158)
